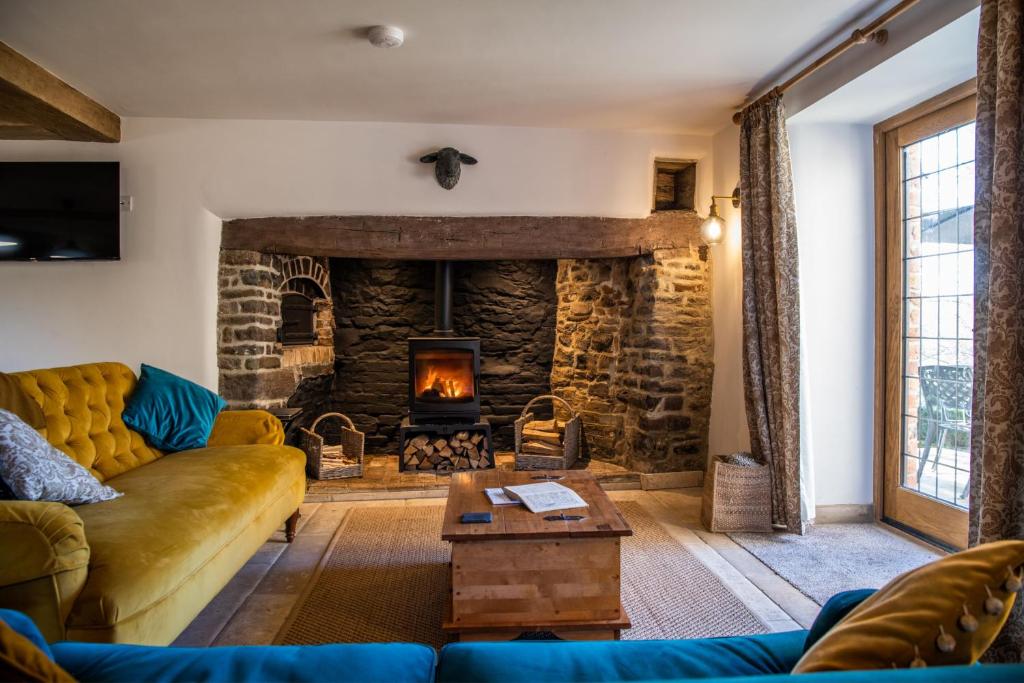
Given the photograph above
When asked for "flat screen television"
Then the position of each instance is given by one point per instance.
(60, 211)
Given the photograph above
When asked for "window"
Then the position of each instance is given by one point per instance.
(297, 320)
(924, 169)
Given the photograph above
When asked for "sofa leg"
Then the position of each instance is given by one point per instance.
(289, 527)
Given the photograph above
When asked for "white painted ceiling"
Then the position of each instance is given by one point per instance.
(930, 66)
(667, 65)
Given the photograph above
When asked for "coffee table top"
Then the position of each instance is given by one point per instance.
(515, 522)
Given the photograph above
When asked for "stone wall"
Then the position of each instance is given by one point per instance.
(256, 370)
(628, 342)
(380, 304)
(634, 355)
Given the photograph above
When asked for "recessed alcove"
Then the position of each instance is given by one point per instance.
(612, 314)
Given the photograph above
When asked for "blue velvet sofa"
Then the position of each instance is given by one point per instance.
(736, 660)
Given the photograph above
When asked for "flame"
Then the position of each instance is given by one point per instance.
(443, 375)
(447, 387)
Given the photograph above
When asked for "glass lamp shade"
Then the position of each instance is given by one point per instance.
(712, 228)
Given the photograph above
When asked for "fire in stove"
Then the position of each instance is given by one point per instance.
(444, 375)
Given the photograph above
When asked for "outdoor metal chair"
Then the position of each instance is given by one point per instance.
(946, 392)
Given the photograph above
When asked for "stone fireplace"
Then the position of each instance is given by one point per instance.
(612, 315)
(261, 359)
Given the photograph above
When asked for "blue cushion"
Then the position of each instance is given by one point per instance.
(24, 626)
(837, 607)
(386, 663)
(989, 673)
(625, 660)
(173, 413)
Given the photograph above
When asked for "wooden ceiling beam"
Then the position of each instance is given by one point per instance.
(464, 238)
(36, 105)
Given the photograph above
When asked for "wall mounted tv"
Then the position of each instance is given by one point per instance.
(60, 211)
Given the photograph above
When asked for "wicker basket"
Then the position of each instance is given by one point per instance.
(571, 439)
(737, 497)
(334, 461)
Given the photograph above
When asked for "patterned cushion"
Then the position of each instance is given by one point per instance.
(35, 470)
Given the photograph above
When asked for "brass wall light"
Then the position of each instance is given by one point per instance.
(713, 227)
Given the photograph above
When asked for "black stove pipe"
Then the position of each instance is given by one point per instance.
(443, 299)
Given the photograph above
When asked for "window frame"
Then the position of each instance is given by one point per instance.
(948, 109)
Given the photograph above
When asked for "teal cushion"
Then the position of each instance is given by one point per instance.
(624, 660)
(24, 626)
(837, 607)
(173, 413)
(386, 663)
(990, 673)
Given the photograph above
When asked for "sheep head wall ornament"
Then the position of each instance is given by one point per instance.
(447, 165)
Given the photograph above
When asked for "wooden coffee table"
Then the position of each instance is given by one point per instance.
(521, 573)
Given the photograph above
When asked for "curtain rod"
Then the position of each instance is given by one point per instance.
(873, 32)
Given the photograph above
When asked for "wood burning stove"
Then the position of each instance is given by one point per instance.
(444, 379)
(444, 431)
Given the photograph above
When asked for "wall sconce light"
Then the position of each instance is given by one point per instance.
(713, 227)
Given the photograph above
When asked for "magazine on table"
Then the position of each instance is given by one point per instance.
(498, 496)
(545, 497)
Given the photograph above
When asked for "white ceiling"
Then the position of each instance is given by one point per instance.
(930, 66)
(666, 65)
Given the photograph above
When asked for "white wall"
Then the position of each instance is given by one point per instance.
(158, 303)
(728, 431)
(833, 182)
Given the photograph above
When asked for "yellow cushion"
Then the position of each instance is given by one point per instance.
(14, 399)
(20, 660)
(908, 620)
(175, 515)
(82, 407)
(237, 427)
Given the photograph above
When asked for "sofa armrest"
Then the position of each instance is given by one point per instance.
(246, 428)
(46, 561)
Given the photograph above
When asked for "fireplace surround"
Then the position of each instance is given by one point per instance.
(621, 332)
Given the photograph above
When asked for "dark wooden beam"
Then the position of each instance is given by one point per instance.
(36, 105)
(465, 238)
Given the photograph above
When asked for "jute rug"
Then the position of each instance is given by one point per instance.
(837, 557)
(384, 578)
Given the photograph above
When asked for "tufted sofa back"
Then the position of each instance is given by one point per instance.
(82, 406)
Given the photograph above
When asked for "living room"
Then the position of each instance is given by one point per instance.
(510, 341)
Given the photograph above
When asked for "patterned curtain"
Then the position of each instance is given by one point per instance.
(771, 304)
(997, 432)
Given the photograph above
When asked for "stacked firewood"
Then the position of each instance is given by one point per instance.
(460, 451)
(543, 437)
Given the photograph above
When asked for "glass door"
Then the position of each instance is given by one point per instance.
(929, 186)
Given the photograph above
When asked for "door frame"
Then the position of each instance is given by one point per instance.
(948, 527)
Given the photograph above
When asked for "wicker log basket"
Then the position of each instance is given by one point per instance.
(560, 438)
(737, 495)
(334, 461)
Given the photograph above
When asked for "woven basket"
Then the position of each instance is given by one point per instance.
(737, 497)
(334, 461)
(571, 439)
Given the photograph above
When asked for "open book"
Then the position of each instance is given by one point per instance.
(545, 497)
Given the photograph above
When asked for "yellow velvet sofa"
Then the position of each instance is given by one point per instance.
(139, 568)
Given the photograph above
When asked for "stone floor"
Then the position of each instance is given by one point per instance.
(382, 480)
(254, 605)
